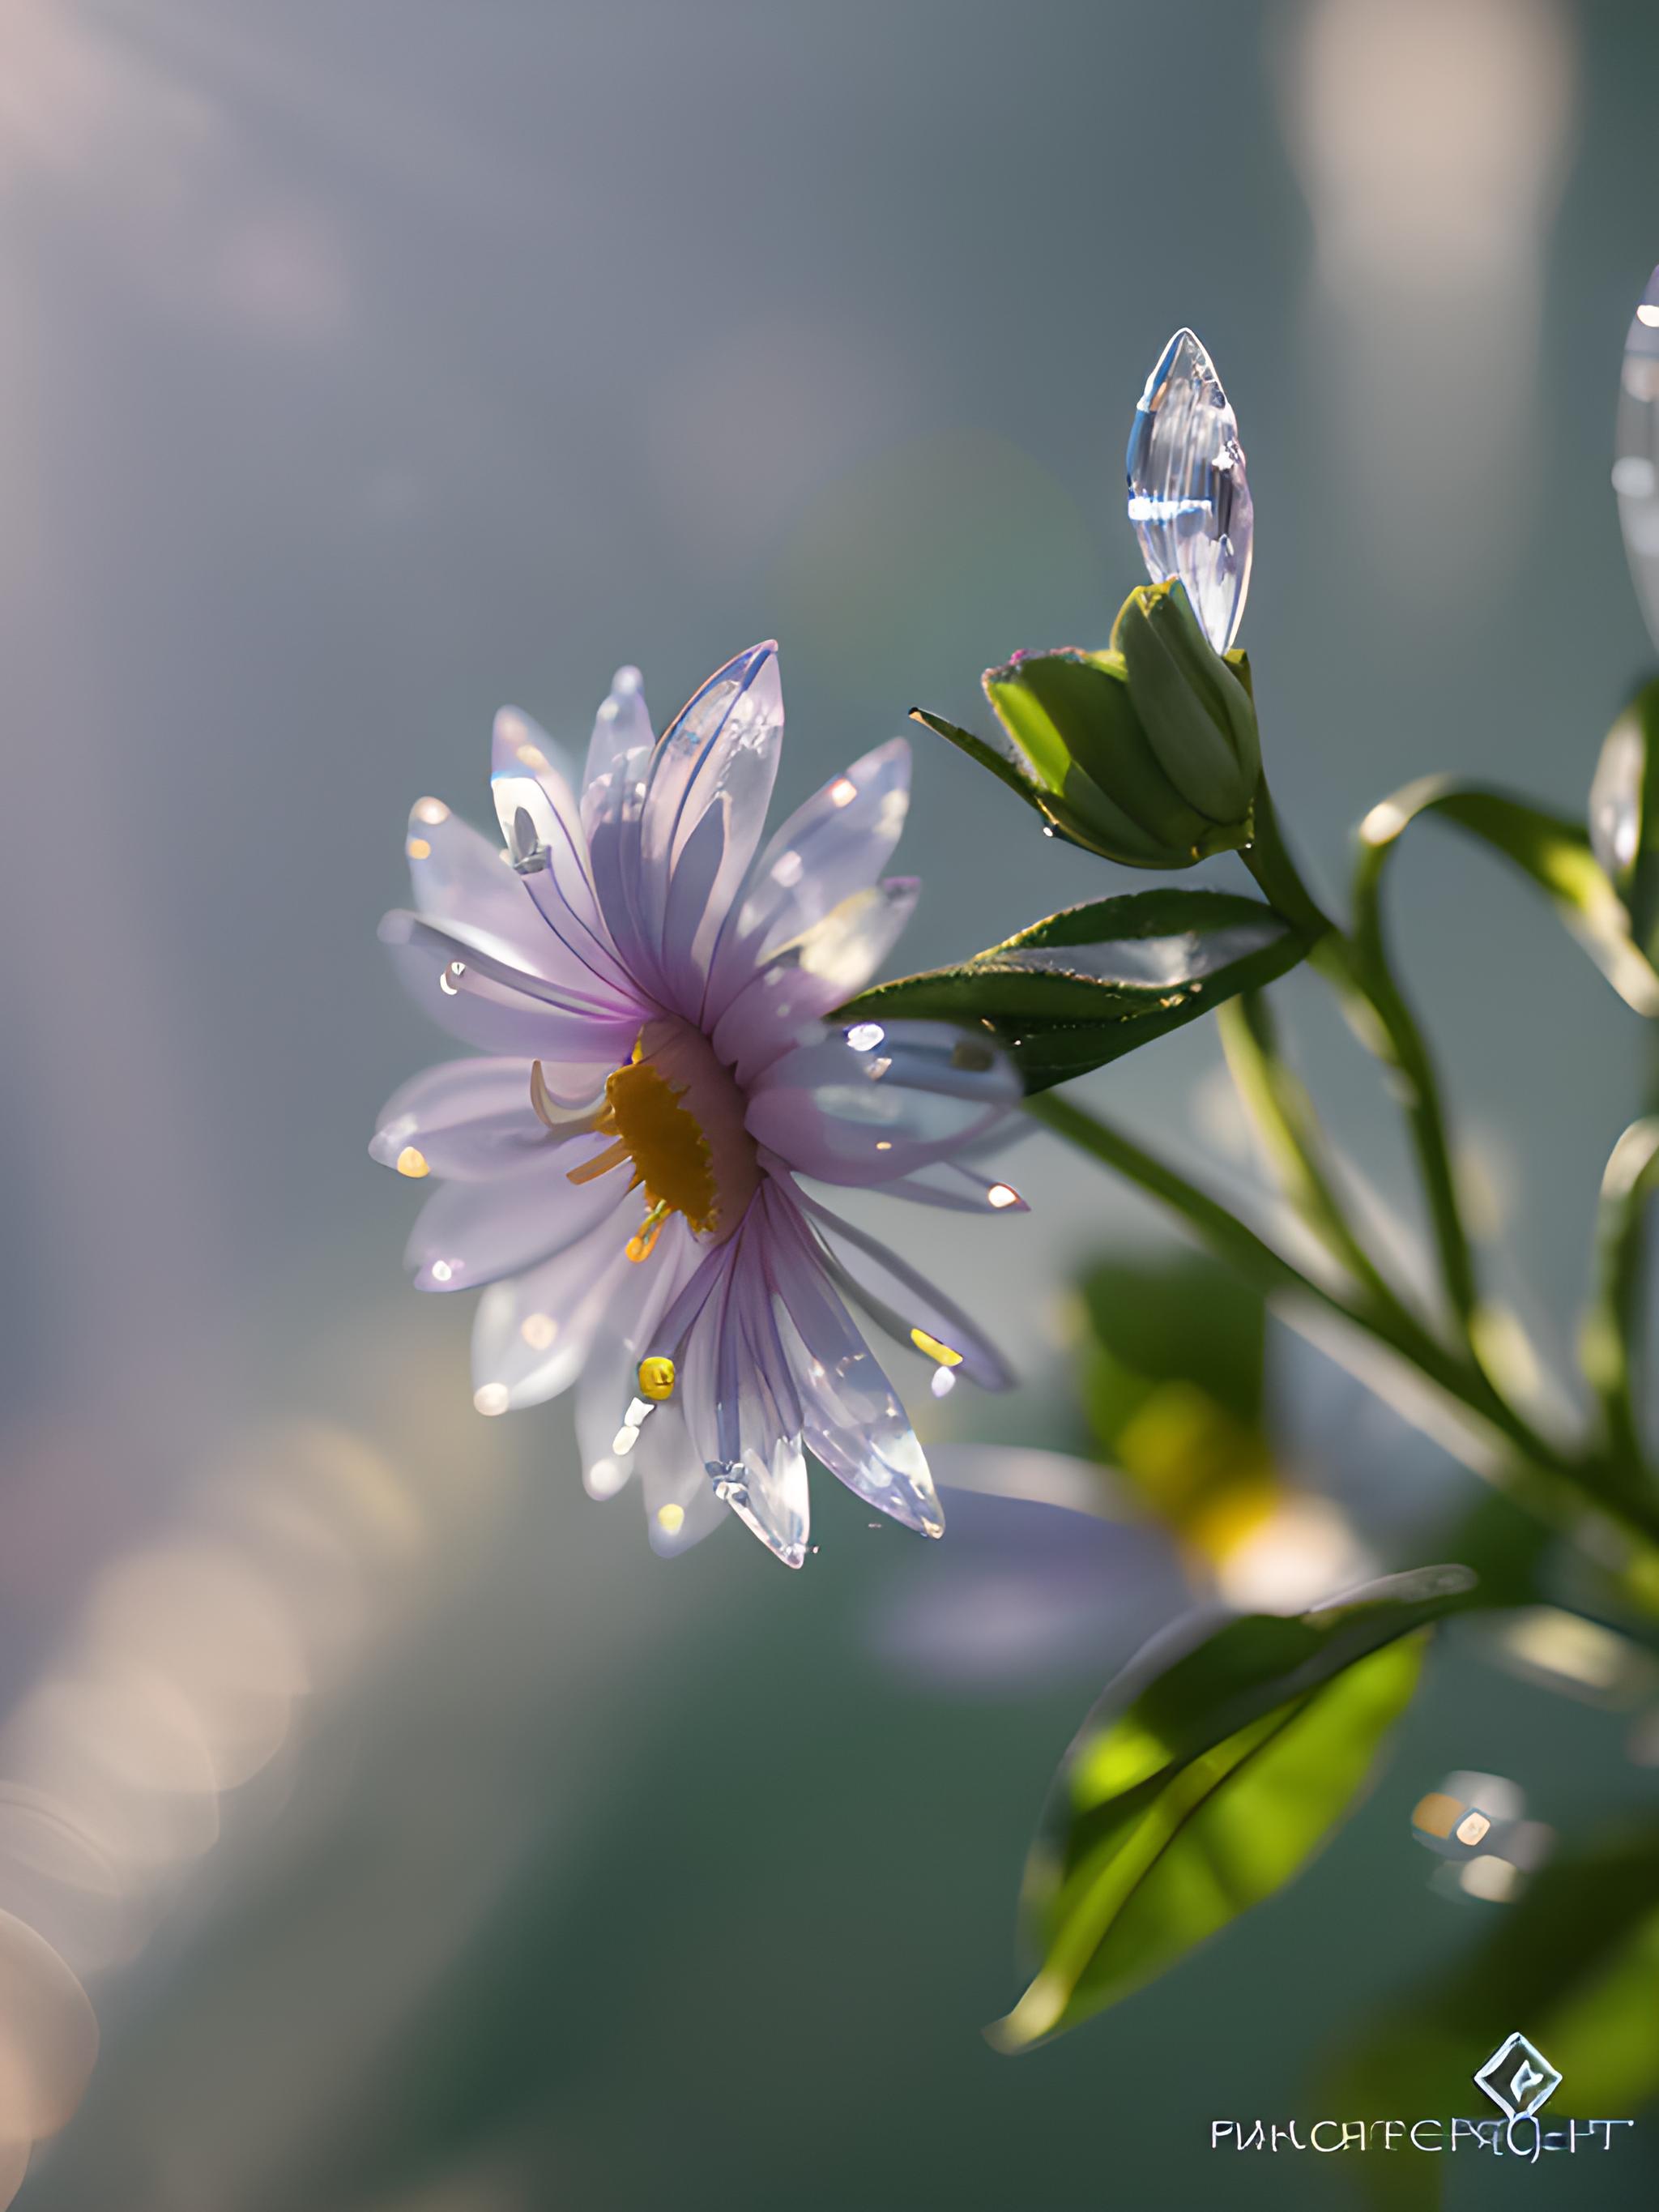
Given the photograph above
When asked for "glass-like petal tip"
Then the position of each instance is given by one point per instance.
(1188, 497)
(1636, 463)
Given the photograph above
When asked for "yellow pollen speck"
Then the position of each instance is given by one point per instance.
(670, 1519)
(656, 1379)
(412, 1162)
(533, 757)
(419, 849)
(934, 1349)
(883, 1144)
(643, 1242)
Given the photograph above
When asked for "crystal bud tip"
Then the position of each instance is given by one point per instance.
(1189, 499)
(1636, 454)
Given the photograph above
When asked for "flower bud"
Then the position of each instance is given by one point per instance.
(1147, 755)
(1196, 709)
(1624, 813)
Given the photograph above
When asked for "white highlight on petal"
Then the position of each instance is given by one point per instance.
(1001, 1194)
(843, 791)
(442, 1271)
(944, 1382)
(489, 1398)
(605, 1477)
(449, 980)
(432, 811)
(538, 1330)
(786, 870)
(1648, 315)
(864, 1036)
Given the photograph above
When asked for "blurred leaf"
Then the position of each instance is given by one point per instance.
(1172, 1376)
(1181, 1318)
(1203, 1781)
(1091, 984)
(1574, 1964)
(1554, 853)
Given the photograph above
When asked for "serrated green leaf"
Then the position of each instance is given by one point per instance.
(1203, 1781)
(1553, 851)
(1085, 985)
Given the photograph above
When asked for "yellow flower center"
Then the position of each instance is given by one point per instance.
(675, 1112)
(661, 1136)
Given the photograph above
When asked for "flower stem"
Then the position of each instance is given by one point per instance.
(1456, 1373)
(1288, 1132)
(1356, 964)
(1612, 1326)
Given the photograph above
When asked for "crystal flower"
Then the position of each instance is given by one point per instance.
(1189, 499)
(1635, 468)
(624, 1170)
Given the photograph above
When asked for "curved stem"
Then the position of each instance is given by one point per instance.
(1357, 964)
(1456, 1373)
(1611, 1331)
(1288, 1131)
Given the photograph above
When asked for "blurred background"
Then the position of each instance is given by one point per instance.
(402, 1834)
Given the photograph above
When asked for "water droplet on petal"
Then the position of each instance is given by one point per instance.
(1636, 470)
(1189, 500)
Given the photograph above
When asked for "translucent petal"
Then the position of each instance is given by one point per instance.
(547, 848)
(768, 1493)
(469, 1233)
(1635, 468)
(480, 996)
(672, 1453)
(464, 1119)
(835, 845)
(613, 797)
(741, 1404)
(1189, 499)
(534, 1332)
(609, 1379)
(812, 976)
(520, 745)
(457, 875)
(711, 780)
(851, 1417)
(958, 1187)
(681, 1508)
(875, 1101)
(902, 1302)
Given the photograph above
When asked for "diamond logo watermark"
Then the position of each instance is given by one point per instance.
(1518, 2078)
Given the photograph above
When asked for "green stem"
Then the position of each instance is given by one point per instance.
(1612, 1329)
(1357, 964)
(1288, 1131)
(1455, 1374)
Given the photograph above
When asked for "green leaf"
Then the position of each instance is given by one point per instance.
(1203, 1781)
(1087, 985)
(1574, 1963)
(1181, 1317)
(1555, 853)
